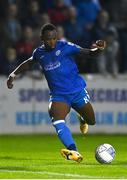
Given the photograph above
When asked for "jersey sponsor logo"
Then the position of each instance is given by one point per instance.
(58, 52)
(52, 66)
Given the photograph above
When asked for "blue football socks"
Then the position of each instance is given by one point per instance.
(64, 134)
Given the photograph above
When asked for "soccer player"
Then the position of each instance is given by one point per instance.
(67, 87)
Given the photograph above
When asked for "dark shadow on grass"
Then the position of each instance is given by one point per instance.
(18, 158)
(52, 162)
(27, 158)
(14, 158)
(18, 168)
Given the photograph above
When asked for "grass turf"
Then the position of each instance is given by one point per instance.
(38, 156)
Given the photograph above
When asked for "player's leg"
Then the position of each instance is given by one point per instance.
(58, 112)
(86, 117)
(87, 113)
(81, 103)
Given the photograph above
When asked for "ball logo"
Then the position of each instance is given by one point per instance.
(58, 53)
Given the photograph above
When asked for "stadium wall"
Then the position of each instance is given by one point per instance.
(24, 108)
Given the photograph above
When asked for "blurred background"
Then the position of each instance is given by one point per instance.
(24, 109)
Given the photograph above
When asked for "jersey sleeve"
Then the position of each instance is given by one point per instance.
(34, 55)
(72, 48)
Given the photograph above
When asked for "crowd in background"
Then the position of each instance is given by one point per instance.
(79, 21)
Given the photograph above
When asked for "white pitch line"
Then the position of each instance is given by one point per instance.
(61, 174)
(48, 173)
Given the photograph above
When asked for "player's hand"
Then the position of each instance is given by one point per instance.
(10, 81)
(100, 44)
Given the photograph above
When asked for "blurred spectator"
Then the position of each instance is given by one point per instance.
(11, 29)
(3, 5)
(123, 46)
(58, 13)
(43, 19)
(116, 9)
(87, 13)
(97, 2)
(101, 26)
(73, 27)
(26, 45)
(107, 61)
(84, 22)
(68, 2)
(45, 5)
(1, 62)
(104, 29)
(10, 61)
(61, 35)
(32, 18)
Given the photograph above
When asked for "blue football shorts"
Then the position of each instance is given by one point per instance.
(74, 100)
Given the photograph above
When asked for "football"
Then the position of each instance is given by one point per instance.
(105, 153)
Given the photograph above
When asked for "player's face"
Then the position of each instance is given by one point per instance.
(50, 38)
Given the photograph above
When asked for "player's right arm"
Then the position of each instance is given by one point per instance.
(26, 65)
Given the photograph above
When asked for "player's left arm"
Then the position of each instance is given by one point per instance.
(97, 48)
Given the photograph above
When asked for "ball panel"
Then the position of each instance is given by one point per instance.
(105, 153)
(111, 151)
(99, 159)
(106, 156)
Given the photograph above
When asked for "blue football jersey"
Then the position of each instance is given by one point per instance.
(59, 67)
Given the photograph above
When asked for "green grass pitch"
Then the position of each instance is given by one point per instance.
(38, 156)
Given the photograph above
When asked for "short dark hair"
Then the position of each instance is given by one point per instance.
(47, 27)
